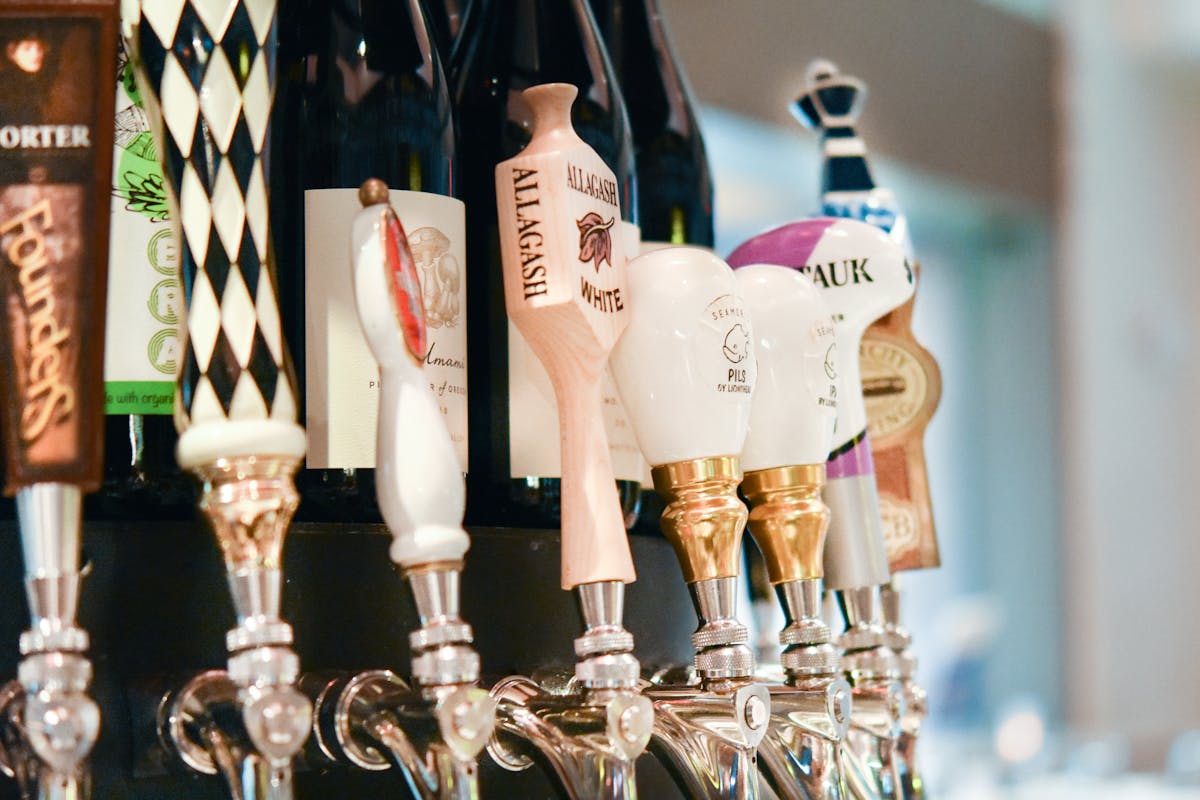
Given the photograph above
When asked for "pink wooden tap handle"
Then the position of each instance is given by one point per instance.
(565, 290)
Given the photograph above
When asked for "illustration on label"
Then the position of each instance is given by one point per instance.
(894, 387)
(901, 526)
(441, 276)
(595, 239)
(737, 344)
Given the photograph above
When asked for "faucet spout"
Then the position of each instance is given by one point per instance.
(802, 751)
(204, 724)
(707, 739)
(588, 740)
(432, 737)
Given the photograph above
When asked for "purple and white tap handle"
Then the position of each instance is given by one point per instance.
(863, 275)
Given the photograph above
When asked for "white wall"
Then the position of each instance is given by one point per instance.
(1129, 293)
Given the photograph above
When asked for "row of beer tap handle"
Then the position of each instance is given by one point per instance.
(736, 376)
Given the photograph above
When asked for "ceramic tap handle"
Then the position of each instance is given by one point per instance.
(565, 290)
(235, 393)
(686, 366)
(419, 480)
(863, 274)
(796, 399)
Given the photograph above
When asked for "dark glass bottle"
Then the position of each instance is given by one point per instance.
(675, 192)
(361, 94)
(507, 46)
(143, 340)
(446, 20)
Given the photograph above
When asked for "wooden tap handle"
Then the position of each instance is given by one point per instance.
(565, 290)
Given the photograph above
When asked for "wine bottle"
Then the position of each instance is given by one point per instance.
(675, 192)
(445, 20)
(142, 341)
(507, 46)
(361, 94)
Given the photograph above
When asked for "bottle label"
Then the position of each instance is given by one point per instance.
(342, 387)
(146, 305)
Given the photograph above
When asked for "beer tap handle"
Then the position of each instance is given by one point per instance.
(419, 482)
(235, 400)
(565, 290)
(686, 370)
(53, 272)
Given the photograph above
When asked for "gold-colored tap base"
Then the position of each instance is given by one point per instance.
(704, 518)
(249, 501)
(788, 520)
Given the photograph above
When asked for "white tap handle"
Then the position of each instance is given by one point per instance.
(685, 366)
(418, 478)
(795, 399)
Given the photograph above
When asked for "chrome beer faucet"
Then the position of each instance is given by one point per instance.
(862, 274)
(235, 398)
(433, 732)
(685, 368)
(589, 732)
(791, 432)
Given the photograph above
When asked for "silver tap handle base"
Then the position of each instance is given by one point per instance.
(605, 649)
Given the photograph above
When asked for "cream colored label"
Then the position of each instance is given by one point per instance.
(342, 387)
(894, 387)
(901, 526)
(533, 419)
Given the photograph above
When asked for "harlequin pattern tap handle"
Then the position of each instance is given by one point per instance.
(209, 67)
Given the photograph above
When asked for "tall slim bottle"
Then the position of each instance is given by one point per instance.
(507, 46)
(142, 345)
(362, 94)
(675, 191)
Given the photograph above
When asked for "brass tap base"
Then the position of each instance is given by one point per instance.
(789, 520)
(704, 518)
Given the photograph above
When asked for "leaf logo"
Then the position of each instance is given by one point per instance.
(595, 239)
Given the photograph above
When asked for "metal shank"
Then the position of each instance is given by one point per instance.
(249, 502)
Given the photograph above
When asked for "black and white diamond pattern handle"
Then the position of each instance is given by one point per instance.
(209, 66)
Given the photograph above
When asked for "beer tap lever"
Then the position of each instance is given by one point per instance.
(365, 720)
(54, 215)
(235, 396)
(791, 431)
(565, 290)
(686, 370)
